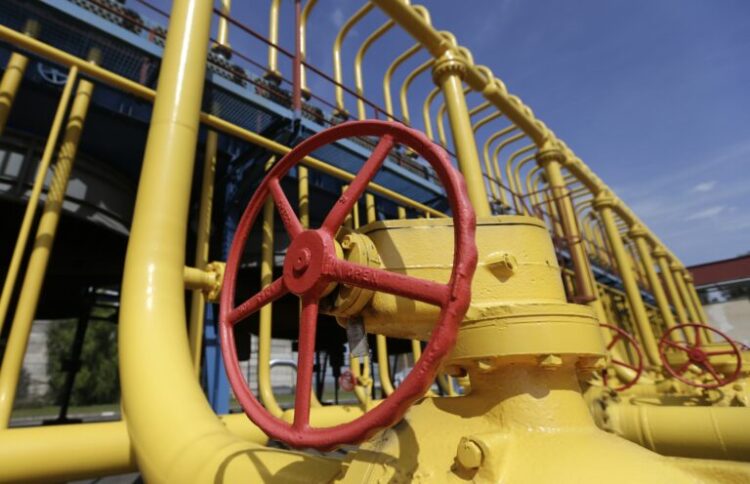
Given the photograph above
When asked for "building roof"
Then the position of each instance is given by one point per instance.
(720, 271)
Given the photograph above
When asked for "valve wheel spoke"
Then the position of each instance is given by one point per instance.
(391, 282)
(357, 187)
(267, 295)
(676, 345)
(614, 341)
(683, 368)
(306, 353)
(717, 353)
(626, 365)
(290, 220)
(700, 358)
(712, 371)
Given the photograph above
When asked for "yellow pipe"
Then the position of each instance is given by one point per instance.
(37, 265)
(387, 96)
(265, 390)
(273, 38)
(447, 75)
(481, 79)
(551, 160)
(531, 184)
(603, 205)
(209, 120)
(36, 190)
(358, 80)
(482, 122)
(509, 172)
(694, 296)
(222, 36)
(500, 147)
(175, 435)
(661, 260)
(494, 189)
(404, 91)
(380, 340)
(440, 121)
(9, 85)
(337, 70)
(309, 5)
(682, 289)
(199, 279)
(426, 112)
(12, 78)
(84, 451)
(198, 298)
(696, 432)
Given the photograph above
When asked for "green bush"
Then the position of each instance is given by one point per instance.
(98, 379)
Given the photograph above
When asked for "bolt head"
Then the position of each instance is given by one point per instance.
(469, 454)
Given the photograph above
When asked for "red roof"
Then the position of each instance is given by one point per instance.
(721, 271)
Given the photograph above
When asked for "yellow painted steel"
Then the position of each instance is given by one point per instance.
(679, 280)
(209, 120)
(37, 265)
(359, 57)
(689, 282)
(337, 68)
(198, 298)
(426, 116)
(551, 160)
(222, 35)
(273, 71)
(388, 76)
(306, 10)
(9, 85)
(603, 205)
(644, 251)
(12, 77)
(448, 75)
(660, 254)
(404, 91)
(84, 451)
(33, 202)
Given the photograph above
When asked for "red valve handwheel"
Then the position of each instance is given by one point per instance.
(699, 354)
(622, 335)
(311, 265)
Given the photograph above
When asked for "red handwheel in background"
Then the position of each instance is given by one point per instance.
(311, 264)
(699, 353)
(627, 338)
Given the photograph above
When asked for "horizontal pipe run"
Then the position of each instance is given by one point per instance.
(81, 451)
(699, 432)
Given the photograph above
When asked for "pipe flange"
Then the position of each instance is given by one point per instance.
(450, 63)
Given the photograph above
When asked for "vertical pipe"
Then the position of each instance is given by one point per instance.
(447, 74)
(603, 204)
(36, 190)
(222, 36)
(694, 296)
(265, 389)
(638, 235)
(273, 39)
(12, 78)
(551, 159)
(37, 266)
(661, 259)
(381, 343)
(203, 236)
(152, 310)
(682, 289)
(309, 5)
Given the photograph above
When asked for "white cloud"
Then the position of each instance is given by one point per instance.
(337, 17)
(705, 186)
(707, 213)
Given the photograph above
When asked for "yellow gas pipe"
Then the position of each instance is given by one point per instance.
(603, 205)
(359, 57)
(33, 202)
(11, 81)
(176, 437)
(37, 265)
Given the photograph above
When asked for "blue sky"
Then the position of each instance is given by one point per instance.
(653, 95)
